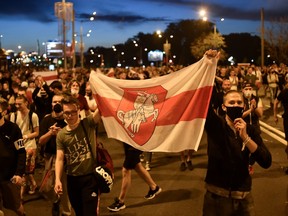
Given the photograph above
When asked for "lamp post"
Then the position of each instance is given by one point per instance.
(64, 11)
(81, 45)
(166, 46)
(203, 14)
(1, 36)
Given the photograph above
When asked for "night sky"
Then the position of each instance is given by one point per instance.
(26, 22)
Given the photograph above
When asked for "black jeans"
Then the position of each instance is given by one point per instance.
(215, 205)
(83, 194)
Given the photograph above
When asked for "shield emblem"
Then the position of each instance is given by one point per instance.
(138, 111)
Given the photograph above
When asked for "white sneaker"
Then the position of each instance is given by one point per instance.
(147, 166)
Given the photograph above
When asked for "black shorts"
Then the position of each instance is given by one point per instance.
(132, 157)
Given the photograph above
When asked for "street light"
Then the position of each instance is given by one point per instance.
(203, 13)
(166, 45)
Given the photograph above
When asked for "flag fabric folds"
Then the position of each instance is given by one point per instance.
(163, 114)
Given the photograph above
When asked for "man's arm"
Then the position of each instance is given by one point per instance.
(96, 116)
(275, 109)
(59, 166)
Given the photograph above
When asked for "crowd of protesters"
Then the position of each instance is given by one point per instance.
(21, 88)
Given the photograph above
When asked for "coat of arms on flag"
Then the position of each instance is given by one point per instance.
(138, 111)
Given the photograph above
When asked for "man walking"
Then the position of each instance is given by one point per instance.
(12, 160)
(79, 161)
(49, 128)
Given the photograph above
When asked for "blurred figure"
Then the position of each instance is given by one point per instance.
(253, 109)
(186, 160)
(283, 98)
(273, 80)
(74, 87)
(217, 100)
(90, 99)
(12, 160)
(49, 128)
(42, 98)
(28, 122)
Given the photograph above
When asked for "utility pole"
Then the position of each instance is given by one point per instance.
(81, 46)
(73, 40)
(64, 35)
(262, 38)
(63, 10)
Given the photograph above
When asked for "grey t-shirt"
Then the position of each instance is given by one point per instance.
(79, 160)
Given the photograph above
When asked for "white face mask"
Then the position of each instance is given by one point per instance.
(247, 93)
(74, 91)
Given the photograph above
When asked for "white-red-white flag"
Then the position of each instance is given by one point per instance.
(164, 114)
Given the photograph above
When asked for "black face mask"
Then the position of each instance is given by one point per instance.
(57, 108)
(234, 112)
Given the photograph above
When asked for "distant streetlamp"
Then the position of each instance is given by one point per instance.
(203, 13)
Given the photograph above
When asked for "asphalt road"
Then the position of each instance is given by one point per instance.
(183, 192)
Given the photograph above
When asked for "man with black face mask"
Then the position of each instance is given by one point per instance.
(49, 127)
(230, 143)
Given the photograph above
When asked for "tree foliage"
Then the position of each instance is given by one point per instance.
(276, 36)
(211, 41)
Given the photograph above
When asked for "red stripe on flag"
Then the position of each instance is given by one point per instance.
(52, 77)
(182, 107)
(107, 106)
(185, 106)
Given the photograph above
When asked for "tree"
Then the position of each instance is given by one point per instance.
(211, 41)
(243, 47)
(184, 33)
(277, 40)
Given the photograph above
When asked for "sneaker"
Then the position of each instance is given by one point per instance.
(152, 193)
(147, 166)
(116, 206)
(183, 166)
(32, 189)
(142, 157)
(189, 165)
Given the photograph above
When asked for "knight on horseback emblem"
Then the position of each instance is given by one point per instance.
(143, 108)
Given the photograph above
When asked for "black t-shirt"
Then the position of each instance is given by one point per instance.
(9, 133)
(283, 97)
(46, 123)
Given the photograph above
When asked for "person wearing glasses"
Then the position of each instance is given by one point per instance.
(72, 147)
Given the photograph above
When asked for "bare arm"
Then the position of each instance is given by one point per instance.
(96, 116)
(275, 109)
(59, 167)
(32, 135)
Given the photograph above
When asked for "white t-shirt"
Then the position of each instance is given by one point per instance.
(24, 125)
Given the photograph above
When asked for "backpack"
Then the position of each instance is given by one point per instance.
(103, 165)
(30, 119)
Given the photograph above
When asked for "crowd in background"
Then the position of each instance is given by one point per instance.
(38, 93)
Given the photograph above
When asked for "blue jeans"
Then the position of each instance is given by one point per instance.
(215, 205)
